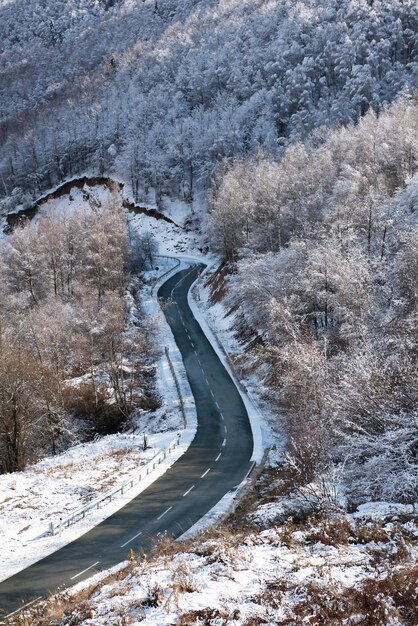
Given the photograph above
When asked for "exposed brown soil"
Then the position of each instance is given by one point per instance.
(21, 217)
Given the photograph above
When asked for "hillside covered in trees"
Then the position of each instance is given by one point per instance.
(73, 361)
(159, 92)
(322, 250)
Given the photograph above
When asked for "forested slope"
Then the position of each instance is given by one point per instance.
(74, 361)
(159, 92)
(322, 249)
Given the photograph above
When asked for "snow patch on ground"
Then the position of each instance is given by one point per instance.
(87, 198)
(172, 239)
(385, 510)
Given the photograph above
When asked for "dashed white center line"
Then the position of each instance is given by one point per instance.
(219, 408)
(165, 512)
(207, 382)
(218, 457)
(193, 346)
(206, 473)
(84, 570)
(212, 394)
(188, 491)
(225, 429)
(222, 416)
(224, 443)
(131, 539)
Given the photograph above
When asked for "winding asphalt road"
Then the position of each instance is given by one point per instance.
(216, 461)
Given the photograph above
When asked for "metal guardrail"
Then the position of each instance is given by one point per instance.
(95, 504)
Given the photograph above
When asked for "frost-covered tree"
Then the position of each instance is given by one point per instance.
(162, 96)
(331, 304)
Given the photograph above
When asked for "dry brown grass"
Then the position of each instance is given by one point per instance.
(204, 617)
(154, 597)
(391, 598)
(329, 531)
(183, 579)
(217, 283)
(69, 609)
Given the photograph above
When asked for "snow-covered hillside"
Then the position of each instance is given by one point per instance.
(161, 91)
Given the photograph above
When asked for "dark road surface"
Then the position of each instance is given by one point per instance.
(216, 461)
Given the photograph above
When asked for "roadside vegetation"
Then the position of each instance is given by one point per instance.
(73, 361)
(321, 282)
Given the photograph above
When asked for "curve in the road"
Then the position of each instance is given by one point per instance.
(216, 461)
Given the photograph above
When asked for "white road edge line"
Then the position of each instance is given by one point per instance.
(218, 457)
(206, 473)
(188, 491)
(84, 570)
(131, 539)
(25, 606)
(165, 512)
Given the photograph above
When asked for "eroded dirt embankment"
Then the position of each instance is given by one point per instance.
(13, 220)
